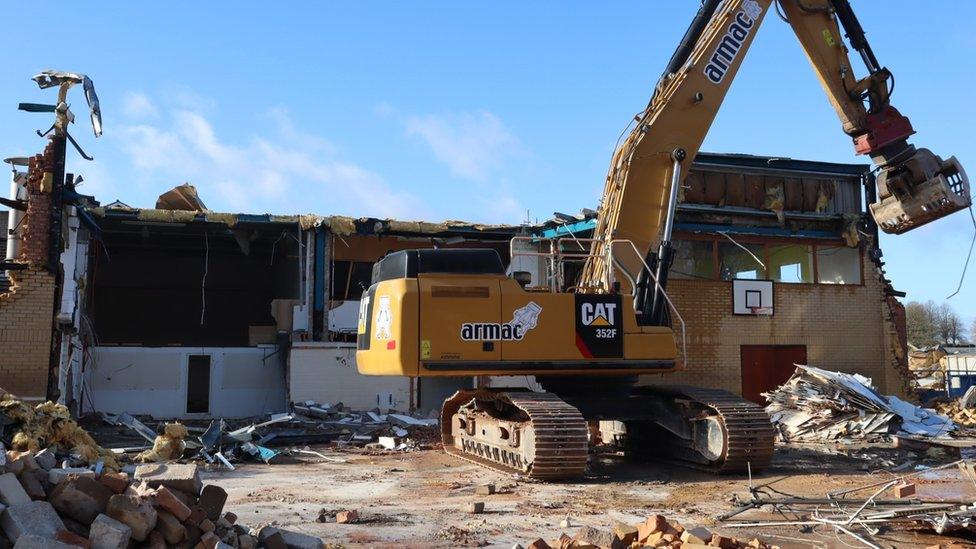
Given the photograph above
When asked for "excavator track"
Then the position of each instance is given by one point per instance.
(749, 434)
(537, 435)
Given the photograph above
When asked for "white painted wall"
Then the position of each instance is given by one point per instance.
(326, 373)
(244, 381)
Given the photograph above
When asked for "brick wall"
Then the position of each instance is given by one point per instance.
(25, 333)
(27, 307)
(846, 328)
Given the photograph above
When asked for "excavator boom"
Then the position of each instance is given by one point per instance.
(915, 186)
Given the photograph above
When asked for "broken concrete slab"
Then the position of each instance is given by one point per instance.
(55, 476)
(35, 517)
(137, 513)
(81, 498)
(108, 533)
(177, 476)
(11, 491)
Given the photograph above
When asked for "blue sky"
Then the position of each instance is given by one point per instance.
(456, 110)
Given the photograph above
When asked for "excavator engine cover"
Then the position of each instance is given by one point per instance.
(920, 190)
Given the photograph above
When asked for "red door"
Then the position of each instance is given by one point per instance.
(765, 367)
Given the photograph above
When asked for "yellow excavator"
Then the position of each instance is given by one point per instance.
(455, 312)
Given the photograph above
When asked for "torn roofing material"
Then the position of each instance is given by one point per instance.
(336, 224)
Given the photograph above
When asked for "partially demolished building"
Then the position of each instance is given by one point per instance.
(191, 313)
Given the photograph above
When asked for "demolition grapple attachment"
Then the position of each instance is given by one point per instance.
(919, 190)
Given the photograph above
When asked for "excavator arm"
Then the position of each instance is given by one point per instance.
(647, 169)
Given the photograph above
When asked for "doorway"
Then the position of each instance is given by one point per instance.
(198, 384)
(766, 367)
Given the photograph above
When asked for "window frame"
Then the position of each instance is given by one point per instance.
(766, 242)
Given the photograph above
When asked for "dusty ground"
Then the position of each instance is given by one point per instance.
(415, 499)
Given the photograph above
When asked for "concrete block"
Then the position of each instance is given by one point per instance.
(271, 538)
(170, 527)
(165, 499)
(31, 541)
(116, 482)
(31, 485)
(247, 542)
(474, 507)
(55, 476)
(138, 514)
(108, 533)
(11, 491)
(298, 540)
(484, 489)
(36, 517)
(346, 517)
(197, 515)
(81, 498)
(176, 476)
(588, 535)
(46, 459)
(212, 499)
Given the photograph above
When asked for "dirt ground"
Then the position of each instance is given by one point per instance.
(415, 499)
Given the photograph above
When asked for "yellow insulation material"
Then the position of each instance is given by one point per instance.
(50, 425)
(167, 446)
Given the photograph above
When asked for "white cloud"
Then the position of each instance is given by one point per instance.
(282, 170)
(137, 106)
(473, 145)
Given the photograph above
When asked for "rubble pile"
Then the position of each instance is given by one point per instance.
(162, 505)
(954, 410)
(656, 531)
(817, 405)
(49, 427)
(223, 442)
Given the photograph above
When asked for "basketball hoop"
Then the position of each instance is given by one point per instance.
(761, 311)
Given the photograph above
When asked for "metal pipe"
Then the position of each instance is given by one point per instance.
(14, 217)
(677, 157)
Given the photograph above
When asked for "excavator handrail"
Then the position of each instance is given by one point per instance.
(555, 256)
(667, 298)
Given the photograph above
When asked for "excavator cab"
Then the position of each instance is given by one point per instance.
(919, 190)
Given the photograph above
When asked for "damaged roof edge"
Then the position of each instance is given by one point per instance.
(337, 224)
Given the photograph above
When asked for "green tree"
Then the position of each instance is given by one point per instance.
(923, 328)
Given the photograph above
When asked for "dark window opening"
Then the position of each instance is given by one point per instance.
(198, 384)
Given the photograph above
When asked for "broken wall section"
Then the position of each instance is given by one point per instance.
(27, 307)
